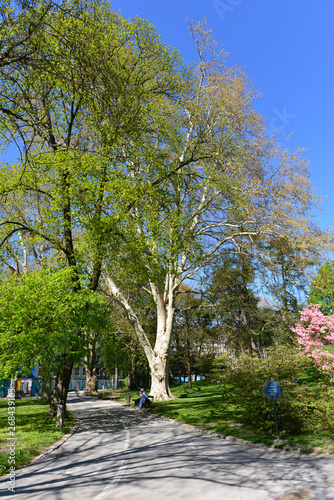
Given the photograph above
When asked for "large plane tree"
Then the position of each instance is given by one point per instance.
(213, 185)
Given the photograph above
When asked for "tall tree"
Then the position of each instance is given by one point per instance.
(194, 337)
(94, 81)
(210, 185)
(237, 307)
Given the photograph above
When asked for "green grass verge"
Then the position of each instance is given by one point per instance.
(203, 405)
(33, 431)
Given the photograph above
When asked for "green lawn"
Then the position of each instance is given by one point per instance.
(33, 431)
(203, 405)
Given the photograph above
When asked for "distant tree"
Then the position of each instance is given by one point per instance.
(244, 324)
(194, 335)
(322, 289)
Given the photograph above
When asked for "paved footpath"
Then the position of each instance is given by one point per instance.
(119, 453)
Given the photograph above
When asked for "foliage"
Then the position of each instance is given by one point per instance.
(315, 331)
(39, 314)
(322, 289)
(219, 365)
(299, 407)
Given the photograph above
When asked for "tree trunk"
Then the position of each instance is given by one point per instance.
(188, 353)
(160, 377)
(189, 375)
(132, 375)
(143, 379)
(116, 377)
(56, 398)
(46, 387)
(158, 356)
(92, 378)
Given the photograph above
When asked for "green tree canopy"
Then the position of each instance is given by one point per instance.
(39, 314)
(322, 289)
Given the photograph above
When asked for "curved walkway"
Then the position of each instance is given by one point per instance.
(119, 453)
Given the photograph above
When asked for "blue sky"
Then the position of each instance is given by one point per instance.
(287, 49)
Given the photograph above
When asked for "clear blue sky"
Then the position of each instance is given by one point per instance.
(287, 48)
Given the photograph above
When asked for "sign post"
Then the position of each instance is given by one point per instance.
(273, 391)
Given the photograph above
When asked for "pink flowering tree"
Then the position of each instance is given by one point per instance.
(314, 332)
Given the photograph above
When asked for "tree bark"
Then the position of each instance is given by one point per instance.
(56, 398)
(46, 387)
(91, 372)
(116, 377)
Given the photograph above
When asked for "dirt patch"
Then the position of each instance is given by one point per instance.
(295, 495)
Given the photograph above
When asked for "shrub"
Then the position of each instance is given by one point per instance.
(219, 365)
(299, 408)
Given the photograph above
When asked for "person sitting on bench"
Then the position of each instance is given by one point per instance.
(143, 398)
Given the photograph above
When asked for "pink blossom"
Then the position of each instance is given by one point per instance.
(316, 330)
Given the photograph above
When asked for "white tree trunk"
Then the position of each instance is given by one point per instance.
(158, 356)
(159, 360)
(159, 376)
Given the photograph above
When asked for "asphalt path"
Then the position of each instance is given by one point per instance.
(119, 453)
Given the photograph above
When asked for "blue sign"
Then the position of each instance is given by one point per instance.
(272, 390)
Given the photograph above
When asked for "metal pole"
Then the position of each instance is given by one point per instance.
(276, 419)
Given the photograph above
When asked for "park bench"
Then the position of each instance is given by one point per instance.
(115, 395)
(146, 403)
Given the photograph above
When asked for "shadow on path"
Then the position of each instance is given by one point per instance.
(136, 452)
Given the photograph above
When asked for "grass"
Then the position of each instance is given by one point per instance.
(33, 431)
(203, 405)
